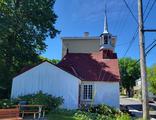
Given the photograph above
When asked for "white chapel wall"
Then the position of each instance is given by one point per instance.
(49, 79)
(105, 93)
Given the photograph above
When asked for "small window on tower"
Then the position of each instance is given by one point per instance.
(105, 40)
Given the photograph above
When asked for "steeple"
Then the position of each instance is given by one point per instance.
(105, 23)
(107, 42)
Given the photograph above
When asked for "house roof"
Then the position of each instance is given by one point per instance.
(88, 66)
(27, 68)
(91, 66)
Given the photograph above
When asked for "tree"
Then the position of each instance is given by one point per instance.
(24, 26)
(53, 61)
(129, 71)
(151, 76)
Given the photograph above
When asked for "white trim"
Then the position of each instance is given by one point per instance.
(82, 92)
(83, 38)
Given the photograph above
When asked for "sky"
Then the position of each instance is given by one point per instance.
(78, 16)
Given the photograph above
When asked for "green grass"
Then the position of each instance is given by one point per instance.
(61, 116)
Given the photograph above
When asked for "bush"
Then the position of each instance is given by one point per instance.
(6, 103)
(103, 110)
(50, 102)
(123, 116)
(82, 115)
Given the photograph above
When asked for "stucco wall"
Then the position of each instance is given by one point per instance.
(49, 79)
(105, 93)
(81, 44)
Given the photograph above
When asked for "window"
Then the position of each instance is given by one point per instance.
(105, 40)
(87, 92)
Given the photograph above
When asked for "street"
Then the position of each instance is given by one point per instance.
(135, 107)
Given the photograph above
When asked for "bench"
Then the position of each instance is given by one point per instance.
(10, 114)
(28, 109)
(44, 112)
(23, 112)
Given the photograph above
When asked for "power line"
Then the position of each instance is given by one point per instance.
(150, 10)
(150, 44)
(148, 50)
(132, 40)
(124, 14)
(147, 6)
(136, 33)
(130, 11)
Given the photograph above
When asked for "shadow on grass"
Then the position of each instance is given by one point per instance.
(61, 116)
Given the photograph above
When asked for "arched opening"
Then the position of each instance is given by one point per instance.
(105, 39)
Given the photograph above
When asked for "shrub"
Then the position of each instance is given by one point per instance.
(103, 110)
(6, 103)
(82, 115)
(123, 116)
(50, 102)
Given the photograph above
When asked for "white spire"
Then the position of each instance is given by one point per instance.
(105, 23)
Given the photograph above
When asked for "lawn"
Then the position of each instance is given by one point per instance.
(61, 116)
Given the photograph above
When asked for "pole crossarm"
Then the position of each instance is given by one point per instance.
(149, 30)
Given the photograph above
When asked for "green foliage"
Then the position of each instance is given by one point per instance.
(129, 71)
(24, 26)
(53, 61)
(123, 116)
(50, 102)
(6, 103)
(63, 114)
(103, 110)
(81, 115)
(151, 76)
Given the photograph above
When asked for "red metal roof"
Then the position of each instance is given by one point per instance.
(92, 66)
(99, 66)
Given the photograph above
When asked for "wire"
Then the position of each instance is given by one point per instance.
(136, 33)
(122, 44)
(150, 44)
(131, 11)
(147, 51)
(150, 10)
(147, 6)
(132, 40)
(150, 49)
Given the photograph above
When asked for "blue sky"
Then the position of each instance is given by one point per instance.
(78, 16)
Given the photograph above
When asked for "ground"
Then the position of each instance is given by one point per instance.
(135, 107)
(55, 116)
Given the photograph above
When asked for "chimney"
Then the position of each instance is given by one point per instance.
(86, 34)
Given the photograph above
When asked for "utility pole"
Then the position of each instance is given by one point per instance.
(145, 105)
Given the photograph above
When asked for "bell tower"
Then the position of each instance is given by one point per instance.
(106, 40)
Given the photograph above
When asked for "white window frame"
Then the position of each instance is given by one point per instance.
(87, 95)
